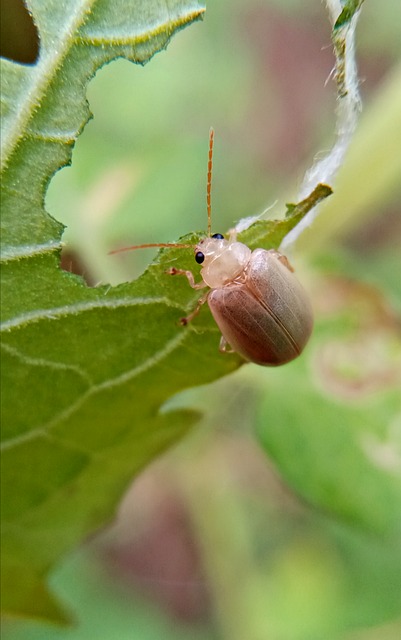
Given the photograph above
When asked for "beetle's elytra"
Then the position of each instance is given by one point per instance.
(262, 311)
(267, 318)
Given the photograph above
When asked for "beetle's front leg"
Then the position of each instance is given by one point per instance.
(195, 285)
(189, 275)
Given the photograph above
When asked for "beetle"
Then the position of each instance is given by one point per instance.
(263, 312)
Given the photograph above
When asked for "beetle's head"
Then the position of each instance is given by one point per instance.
(209, 248)
(222, 261)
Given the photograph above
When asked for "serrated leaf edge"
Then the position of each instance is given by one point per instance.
(48, 64)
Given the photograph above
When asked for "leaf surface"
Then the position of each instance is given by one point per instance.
(85, 371)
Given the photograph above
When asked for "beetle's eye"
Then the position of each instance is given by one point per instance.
(218, 236)
(199, 257)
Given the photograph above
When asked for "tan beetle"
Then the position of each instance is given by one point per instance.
(262, 311)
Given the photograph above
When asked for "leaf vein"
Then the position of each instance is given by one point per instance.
(123, 378)
(167, 27)
(79, 307)
(29, 250)
(43, 362)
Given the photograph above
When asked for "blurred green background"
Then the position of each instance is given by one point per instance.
(215, 540)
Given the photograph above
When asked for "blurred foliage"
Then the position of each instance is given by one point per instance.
(309, 547)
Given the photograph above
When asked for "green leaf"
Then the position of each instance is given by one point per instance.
(269, 234)
(85, 370)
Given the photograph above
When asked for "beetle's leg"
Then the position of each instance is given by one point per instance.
(224, 347)
(201, 301)
(189, 275)
(195, 285)
(283, 259)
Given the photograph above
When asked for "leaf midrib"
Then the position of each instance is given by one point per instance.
(74, 308)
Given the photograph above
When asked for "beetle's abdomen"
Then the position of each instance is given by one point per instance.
(268, 320)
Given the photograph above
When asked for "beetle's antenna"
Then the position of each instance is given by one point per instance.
(151, 246)
(209, 183)
(208, 203)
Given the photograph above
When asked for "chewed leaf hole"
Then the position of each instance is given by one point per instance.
(19, 39)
